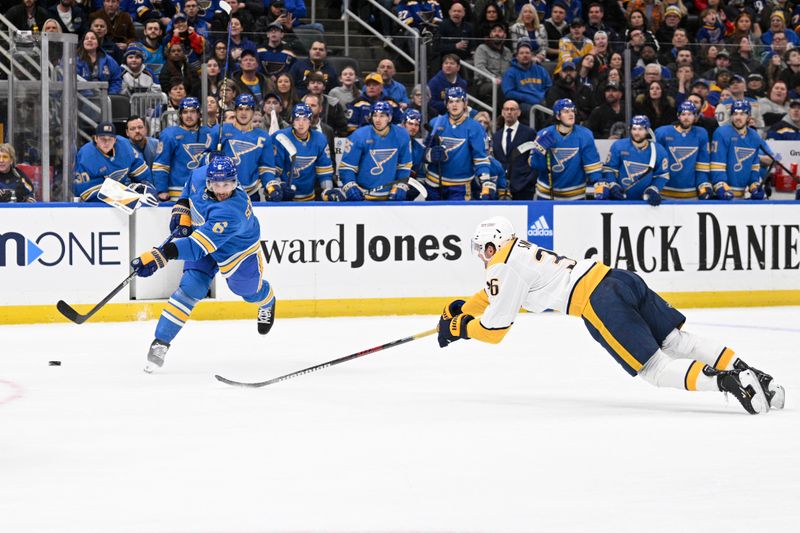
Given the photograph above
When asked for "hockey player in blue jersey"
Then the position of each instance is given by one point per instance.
(457, 153)
(303, 160)
(376, 163)
(110, 156)
(412, 120)
(224, 236)
(638, 165)
(181, 149)
(734, 157)
(689, 160)
(251, 151)
(565, 157)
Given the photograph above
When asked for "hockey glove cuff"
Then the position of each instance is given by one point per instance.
(723, 191)
(453, 329)
(353, 192)
(452, 309)
(147, 263)
(181, 218)
(488, 187)
(333, 195)
(274, 191)
(544, 141)
(398, 192)
(704, 191)
(652, 195)
(756, 191)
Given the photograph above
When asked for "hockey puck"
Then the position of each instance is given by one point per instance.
(54, 363)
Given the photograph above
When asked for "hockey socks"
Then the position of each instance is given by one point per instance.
(175, 315)
(684, 345)
(664, 371)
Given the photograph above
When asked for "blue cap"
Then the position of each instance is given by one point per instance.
(568, 65)
(106, 129)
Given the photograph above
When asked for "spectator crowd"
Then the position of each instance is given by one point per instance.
(712, 54)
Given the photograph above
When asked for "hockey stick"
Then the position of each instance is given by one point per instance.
(226, 7)
(70, 313)
(334, 362)
(412, 182)
(768, 152)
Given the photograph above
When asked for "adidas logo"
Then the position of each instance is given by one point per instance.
(540, 228)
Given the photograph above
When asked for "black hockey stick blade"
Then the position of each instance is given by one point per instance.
(315, 368)
(70, 313)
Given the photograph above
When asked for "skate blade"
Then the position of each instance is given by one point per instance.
(779, 399)
(759, 400)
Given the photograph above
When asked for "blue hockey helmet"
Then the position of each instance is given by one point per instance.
(382, 107)
(221, 168)
(190, 102)
(687, 107)
(245, 100)
(640, 120)
(741, 105)
(301, 110)
(455, 93)
(412, 115)
(563, 104)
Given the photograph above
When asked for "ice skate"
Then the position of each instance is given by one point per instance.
(744, 386)
(266, 317)
(776, 395)
(156, 355)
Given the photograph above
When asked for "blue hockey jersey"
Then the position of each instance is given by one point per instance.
(312, 163)
(358, 111)
(417, 158)
(180, 151)
(92, 167)
(373, 160)
(689, 160)
(465, 146)
(636, 169)
(252, 153)
(734, 158)
(568, 166)
(227, 230)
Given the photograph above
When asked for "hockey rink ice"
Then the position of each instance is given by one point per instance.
(542, 433)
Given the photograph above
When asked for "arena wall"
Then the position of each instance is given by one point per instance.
(380, 259)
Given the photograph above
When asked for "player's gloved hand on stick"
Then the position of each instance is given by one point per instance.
(488, 187)
(333, 195)
(437, 154)
(353, 192)
(604, 190)
(274, 191)
(723, 191)
(453, 329)
(704, 191)
(147, 263)
(756, 191)
(544, 141)
(288, 191)
(652, 195)
(148, 192)
(398, 192)
(181, 219)
(452, 309)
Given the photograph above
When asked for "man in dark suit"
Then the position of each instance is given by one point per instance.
(505, 140)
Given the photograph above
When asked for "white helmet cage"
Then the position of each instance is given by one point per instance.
(495, 230)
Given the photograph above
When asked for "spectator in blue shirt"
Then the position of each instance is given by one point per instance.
(526, 82)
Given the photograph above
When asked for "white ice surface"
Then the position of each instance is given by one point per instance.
(543, 433)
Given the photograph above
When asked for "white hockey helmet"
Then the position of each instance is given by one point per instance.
(495, 230)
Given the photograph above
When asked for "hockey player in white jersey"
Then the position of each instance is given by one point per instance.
(640, 330)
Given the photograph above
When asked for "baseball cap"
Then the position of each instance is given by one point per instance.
(794, 101)
(701, 82)
(724, 53)
(275, 26)
(373, 76)
(577, 22)
(736, 77)
(273, 95)
(613, 86)
(179, 16)
(524, 42)
(755, 76)
(248, 52)
(673, 10)
(723, 71)
(106, 129)
(278, 3)
(568, 65)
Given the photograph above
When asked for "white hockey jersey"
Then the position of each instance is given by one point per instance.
(523, 275)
